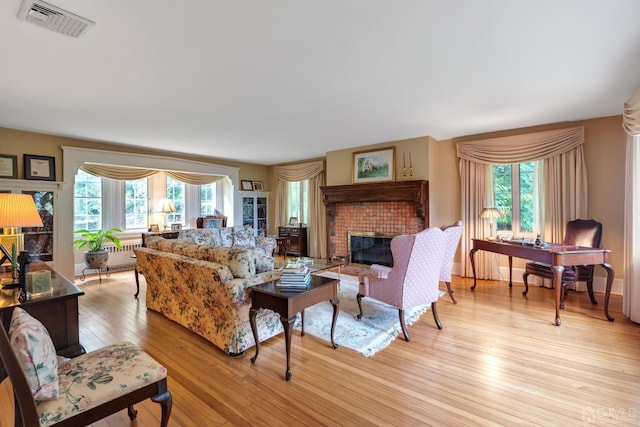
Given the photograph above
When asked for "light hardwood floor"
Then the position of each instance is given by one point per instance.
(498, 361)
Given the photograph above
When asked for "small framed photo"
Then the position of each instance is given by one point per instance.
(8, 166)
(154, 227)
(42, 168)
(176, 226)
(374, 165)
(293, 221)
(212, 223)
(257, 186)
(246, 185)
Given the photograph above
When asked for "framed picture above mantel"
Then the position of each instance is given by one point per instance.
(374, 165)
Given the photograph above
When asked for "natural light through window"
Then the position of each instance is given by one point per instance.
(515, 195)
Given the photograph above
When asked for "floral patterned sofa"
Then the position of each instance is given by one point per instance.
(237, 236)
(206, 288)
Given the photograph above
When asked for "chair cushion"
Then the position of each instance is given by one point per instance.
(98, 377)
(544, 270)
(34, 349)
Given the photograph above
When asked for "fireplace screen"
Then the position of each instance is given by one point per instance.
(370, 247)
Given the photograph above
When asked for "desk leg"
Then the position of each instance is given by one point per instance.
(557, 283)
(473, 266)
(335, 302)
(252, 320)
(607, 293)
(510, 271)
(288, 327)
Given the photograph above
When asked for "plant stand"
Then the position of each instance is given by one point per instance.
(106, 269)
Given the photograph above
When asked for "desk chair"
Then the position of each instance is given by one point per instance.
(580, 232)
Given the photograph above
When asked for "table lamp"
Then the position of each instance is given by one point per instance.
(17, 210)
(490, 214)
(164, 206)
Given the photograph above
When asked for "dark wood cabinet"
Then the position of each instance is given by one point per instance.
(294, 240)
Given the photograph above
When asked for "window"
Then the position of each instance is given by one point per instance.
(298, 200)
(136, 205)
(176, 194)
(87, 209)
(208, 199)
(515, 194)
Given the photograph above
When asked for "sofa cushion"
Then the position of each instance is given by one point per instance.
(34, 349)
(243, 236)
(204, 236)
(241, 261)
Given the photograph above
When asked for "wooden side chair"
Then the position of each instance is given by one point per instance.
(414, 278)
(79, 391)
(579, 232)
(453, 232)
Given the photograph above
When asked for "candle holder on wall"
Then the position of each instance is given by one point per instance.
(404, 166)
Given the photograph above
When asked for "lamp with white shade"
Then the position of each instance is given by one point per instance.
(164, 207)
(491, 214)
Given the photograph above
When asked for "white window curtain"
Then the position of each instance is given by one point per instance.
(631, 280)
(565, 174)
(317, 227)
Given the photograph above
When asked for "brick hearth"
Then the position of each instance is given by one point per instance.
(395, 207)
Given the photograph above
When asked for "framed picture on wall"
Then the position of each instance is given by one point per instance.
(42, 168)
(293, 221)
(257, 186)
(374, 165)
(8, 166)
(176, 226)
(246, 185)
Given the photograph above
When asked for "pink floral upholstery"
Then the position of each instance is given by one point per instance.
(32, 345)
(94, 378)
(417, 264)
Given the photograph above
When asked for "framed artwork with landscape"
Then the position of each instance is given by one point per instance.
(374, 165)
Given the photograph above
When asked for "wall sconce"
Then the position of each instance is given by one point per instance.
(404, 166)
(490, 214)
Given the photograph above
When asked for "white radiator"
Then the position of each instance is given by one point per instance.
(122, 259)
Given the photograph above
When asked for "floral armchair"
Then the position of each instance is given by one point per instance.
(414, 278)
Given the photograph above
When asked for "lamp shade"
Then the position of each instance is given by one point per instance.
(490, 213)
(165, 206)
(18, 210)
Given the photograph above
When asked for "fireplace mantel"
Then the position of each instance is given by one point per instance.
(416, 192)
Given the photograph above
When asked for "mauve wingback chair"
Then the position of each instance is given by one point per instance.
(453, 231)
(580, 232)
(414, 278)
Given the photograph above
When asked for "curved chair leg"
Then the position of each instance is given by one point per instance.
(403, 325)
(563, 294)
(359, 299)
(165, 400)
(450, 292)
(434, 310)
(525, 276)
(590, 290)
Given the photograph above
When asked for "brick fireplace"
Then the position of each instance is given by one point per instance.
(387, 207)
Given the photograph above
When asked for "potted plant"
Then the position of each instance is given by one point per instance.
(97, 256)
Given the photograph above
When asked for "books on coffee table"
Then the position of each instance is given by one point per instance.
(294, 276)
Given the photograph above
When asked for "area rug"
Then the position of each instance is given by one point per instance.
(378, 327)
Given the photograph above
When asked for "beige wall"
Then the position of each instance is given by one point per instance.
(16, 142)
(433, 160)
(340, 162)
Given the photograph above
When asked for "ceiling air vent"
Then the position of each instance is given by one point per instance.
(52, 17)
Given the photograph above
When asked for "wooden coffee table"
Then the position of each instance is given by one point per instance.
(287, 303)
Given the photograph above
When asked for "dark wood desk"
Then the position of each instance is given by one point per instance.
(287, 303)
(556, 255)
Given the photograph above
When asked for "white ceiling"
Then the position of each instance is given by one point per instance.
(274, 81)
